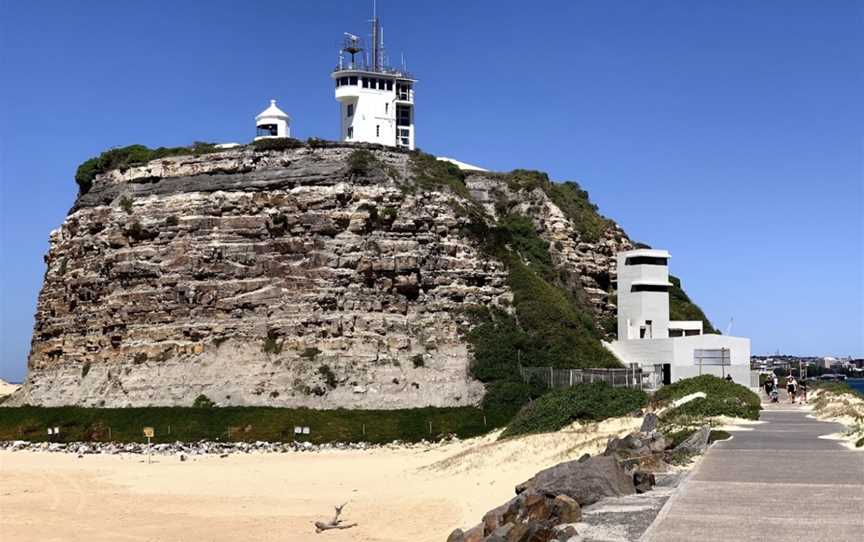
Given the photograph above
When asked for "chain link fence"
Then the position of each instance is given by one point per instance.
(633, 377)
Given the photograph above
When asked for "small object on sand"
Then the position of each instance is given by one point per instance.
(334, 523)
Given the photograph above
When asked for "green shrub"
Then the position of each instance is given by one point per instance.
(257, 423)
(433, 174)
(316, 143)
(361, 162)
(506, 397)
(276, 144)
(126, 204)
(272, 344)
(125, 157)
(585, 402)
(202, 401)
(328, 376)
(417, 361)
(568, 196)
(723, 398)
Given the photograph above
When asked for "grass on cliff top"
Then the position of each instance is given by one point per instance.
(723, 398)
(244, 424)
(585, 402)
(132, 155)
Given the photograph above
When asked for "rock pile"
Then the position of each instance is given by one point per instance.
(546, 506)
(202, 447)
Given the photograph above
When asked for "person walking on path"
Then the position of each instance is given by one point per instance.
(791, 388)
(802, 391)
(769, 385)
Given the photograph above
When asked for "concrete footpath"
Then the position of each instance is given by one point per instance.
(779, 481)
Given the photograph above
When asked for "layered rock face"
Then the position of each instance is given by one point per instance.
(280, 278)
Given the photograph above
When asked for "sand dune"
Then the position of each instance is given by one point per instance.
(395, 494)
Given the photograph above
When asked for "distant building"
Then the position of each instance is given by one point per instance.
(671, 349)
(272, 122)
(376, 101)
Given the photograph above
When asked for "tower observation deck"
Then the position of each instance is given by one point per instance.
(376, 101)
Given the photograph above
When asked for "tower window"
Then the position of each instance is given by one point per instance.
(343, 81)
(350, 132)
(365, 82)
(649, 288)
(352, 80)
(349, 111)
(403, 116)
(645, 260)
(389, 85)
(377, 130)
(267, 130)
(386, 108)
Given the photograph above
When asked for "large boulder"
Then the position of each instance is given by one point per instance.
(586, 482)
(649, 423)
(696, 443)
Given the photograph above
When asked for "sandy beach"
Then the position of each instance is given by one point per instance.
(394, 494)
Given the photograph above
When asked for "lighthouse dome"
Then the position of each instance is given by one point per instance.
(272, 122)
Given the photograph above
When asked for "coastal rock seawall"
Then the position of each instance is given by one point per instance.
(292, 277)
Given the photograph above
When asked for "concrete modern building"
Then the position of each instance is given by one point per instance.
(376, 101)
(272, 122)
(668, 350)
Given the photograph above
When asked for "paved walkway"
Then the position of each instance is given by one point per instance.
(777, 482)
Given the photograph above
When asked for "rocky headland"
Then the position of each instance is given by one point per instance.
(304, 275)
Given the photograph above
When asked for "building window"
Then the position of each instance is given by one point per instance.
(403, 116)
(350, 132)
(649, 288)
(389, 85)
(645, 260)
(352, 80)
(267, 130)
(338, 83)
(386, 108)
(377, 130)
(343, 80)
(365, 82)
(349, 111)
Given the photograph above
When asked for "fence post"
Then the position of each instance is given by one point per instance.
(571, 378)
(551, 377)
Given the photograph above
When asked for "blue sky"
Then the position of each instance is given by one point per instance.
(727, 132)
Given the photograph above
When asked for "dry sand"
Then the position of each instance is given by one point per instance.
(846, 409)
(397, 494)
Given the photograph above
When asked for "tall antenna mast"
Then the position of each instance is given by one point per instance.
(376, 38)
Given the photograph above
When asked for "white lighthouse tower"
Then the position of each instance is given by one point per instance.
(376, 101)
(272, 122)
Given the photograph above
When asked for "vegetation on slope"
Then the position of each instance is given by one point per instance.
(682, 308)
(723, 398)
(132, 155)
(551, 326)
(568, 196)
(243, 423)
(585, 402)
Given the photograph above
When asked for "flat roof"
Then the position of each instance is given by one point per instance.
(337, 73)
(650, 252)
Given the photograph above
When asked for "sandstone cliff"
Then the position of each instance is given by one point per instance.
(294, 277)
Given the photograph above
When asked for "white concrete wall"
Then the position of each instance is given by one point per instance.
(374, 116)
(635, 308)
(678, 352)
